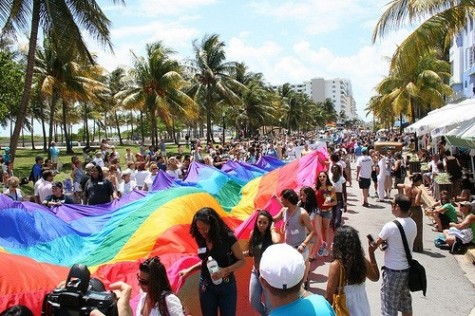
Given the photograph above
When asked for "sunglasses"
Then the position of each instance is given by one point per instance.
(142, 281)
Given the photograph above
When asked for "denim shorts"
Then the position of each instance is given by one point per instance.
(328, 214)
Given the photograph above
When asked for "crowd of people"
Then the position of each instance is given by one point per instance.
(309, 224)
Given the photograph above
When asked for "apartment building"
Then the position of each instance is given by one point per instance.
(462, 62)
(338, 90)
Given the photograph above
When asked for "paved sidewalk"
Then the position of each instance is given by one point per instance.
(451, 278)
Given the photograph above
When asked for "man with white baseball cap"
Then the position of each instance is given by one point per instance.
(282, 269)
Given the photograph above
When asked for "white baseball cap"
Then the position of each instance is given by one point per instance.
(282, 266)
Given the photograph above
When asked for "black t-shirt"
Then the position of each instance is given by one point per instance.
(222, 254)
(98, 192)
(64, 199)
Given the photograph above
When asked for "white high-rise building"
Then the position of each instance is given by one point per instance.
(338, 90)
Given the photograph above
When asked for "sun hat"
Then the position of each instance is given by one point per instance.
(466, 203)
(282, 266)
(89, 166)
(127, 172)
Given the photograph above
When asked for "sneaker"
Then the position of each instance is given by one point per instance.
(322, 249)
(456, 246)
(365, 204)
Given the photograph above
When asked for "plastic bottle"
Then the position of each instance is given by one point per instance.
(213, 267)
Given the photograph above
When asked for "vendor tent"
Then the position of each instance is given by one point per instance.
(444, 119)
(462, 135)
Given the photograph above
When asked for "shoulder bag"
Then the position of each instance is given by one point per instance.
(417, 273)
(339, 298)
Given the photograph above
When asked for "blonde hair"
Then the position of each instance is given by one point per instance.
(13, 181)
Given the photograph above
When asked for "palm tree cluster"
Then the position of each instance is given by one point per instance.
(159, 94)
(419, 73)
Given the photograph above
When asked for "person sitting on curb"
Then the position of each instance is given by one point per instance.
(445, 214)
(464, 232)
(282, 270)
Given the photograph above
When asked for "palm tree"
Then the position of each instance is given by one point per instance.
(329, 109)
(116, 86)
(158, 88)
(443, 20)
(64, 80)
(413, 89)
(213, 77)
(63, 20)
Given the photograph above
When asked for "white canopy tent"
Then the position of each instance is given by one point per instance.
(442, 120)
(462, 135)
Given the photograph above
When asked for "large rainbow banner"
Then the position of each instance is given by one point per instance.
(38, 245)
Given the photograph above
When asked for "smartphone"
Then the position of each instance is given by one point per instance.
(370, 238)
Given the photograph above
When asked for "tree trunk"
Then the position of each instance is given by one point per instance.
(23, 137)
(54, 101)
(118, 128)
(208, 114)
(105, 125)
(173, 131)
(132, 124)
(35, 20)
(69, 147)
(141, 127)
(32, 134)
(43, 127)
(86, 128)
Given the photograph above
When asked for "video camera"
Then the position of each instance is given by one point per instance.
(80, 296)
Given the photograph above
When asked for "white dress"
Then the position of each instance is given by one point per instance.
(357, 300)
(173, 304)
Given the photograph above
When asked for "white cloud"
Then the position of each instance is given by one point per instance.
(365, 68)
(316, 16)
(167, 7)
(153, 8)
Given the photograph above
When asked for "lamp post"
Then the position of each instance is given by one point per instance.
(280, 125)
(224, 127)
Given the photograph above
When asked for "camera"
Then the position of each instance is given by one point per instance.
(80, 296)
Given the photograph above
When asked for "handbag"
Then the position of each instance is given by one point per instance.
(417, 273)
(339, 298)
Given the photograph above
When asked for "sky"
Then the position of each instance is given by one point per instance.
(286, 41)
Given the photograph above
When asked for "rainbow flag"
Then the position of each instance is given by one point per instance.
(38, 245)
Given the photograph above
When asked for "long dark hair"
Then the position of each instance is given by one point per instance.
(257, 238)
(318, 184)
(159, 285)
(347, 249)
(218, 230)
(310, 204)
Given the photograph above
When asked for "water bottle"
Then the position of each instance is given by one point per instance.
(213, 268)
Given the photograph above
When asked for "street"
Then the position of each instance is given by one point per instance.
(450, 290)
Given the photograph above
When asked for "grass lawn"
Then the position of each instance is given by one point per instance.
(25, 159)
